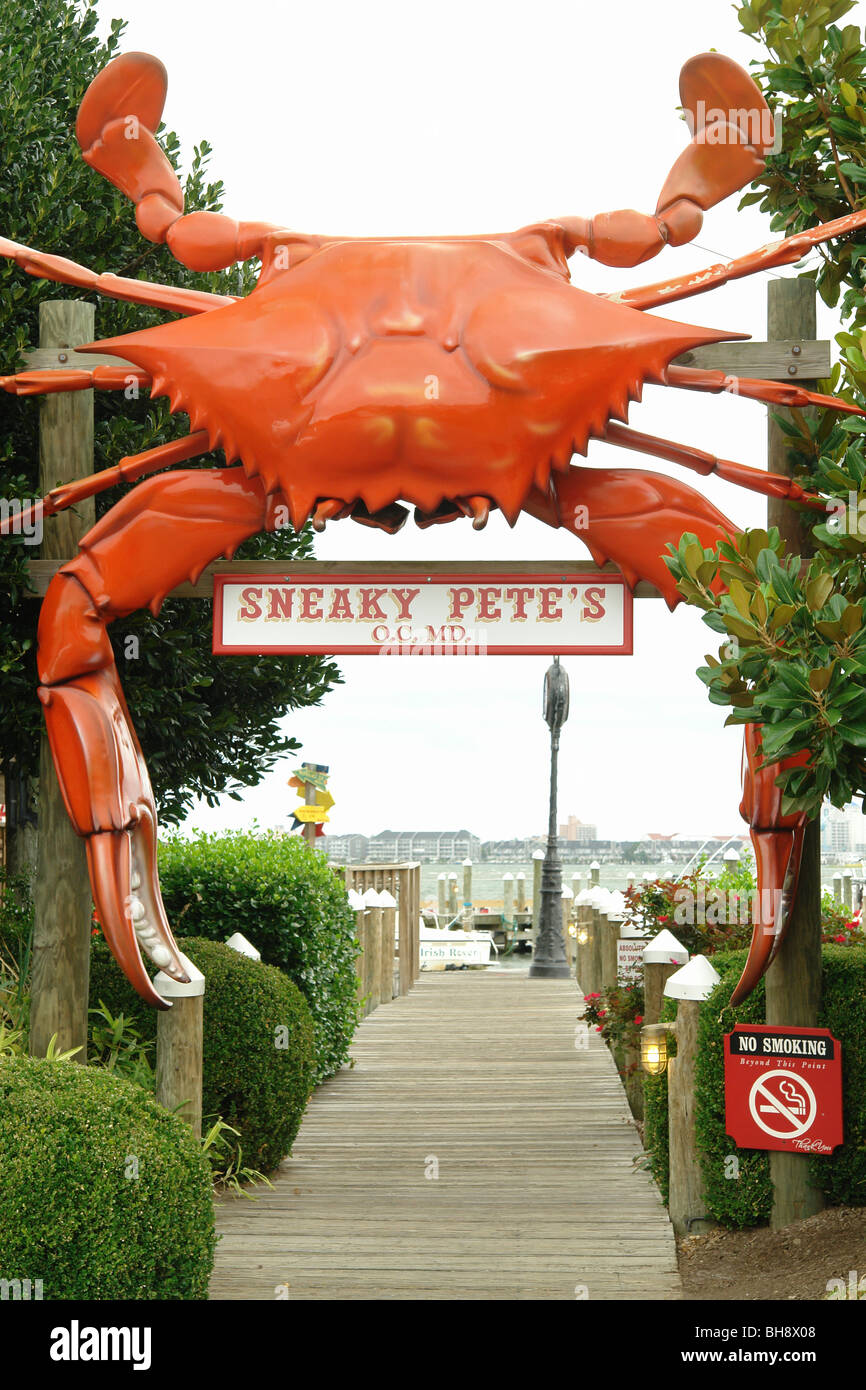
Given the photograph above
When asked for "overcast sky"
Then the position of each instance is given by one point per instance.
(402, 117)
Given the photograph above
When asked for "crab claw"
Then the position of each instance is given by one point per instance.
(778, 845)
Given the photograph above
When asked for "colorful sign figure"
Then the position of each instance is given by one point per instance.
(312, 779)
(458, 374)
(783, 1088)
(413, 614)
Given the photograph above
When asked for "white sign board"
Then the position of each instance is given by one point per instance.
(629, 958)
(413, 614)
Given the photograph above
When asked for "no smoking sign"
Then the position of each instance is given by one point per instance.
(783, 1088)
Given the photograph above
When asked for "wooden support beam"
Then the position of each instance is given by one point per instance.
(61, 889)
(787, 358)
(793, 982)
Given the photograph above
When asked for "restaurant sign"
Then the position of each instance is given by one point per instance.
(454, 613)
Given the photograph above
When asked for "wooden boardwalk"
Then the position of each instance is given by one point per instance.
(476, 1076)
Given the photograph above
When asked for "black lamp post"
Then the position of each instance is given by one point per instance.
(548, 955)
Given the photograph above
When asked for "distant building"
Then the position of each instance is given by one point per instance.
(397, 846)
(843, 831)
(577, 831)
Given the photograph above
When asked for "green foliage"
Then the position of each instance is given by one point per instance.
(617, 1014)
(705, 913)
(794, 657)
(116, 1043)
(199, 737)
(288, 902)
(746, 1199)
(105, 1195)
(842, 1178)
(257, 1045)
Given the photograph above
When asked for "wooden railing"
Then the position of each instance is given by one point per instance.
(389, 959)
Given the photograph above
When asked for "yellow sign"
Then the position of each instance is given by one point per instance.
(310, 813)
(324, 800)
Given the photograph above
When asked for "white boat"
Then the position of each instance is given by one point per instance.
(440, 948)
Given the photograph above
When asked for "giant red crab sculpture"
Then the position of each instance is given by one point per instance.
(457, 373)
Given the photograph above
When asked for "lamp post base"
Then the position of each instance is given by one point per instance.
(552, 970)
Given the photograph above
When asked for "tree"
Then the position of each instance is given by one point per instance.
(206, 724)
(794, 657)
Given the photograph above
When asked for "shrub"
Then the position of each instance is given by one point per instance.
(258, 1060)
(284, 897)
(747, 1199)
(103, 1195)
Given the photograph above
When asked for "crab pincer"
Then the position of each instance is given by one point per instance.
(777, 840)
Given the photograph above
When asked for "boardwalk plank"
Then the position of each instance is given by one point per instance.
(537, 1197)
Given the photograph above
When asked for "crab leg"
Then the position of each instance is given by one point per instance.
(58, 268)
(629, 516)
(756, 389)
(778, 843)
(165, 531)
(127, 471)
(772, 484)
(45, 383)
(769, 257)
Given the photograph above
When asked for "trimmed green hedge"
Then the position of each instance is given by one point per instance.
(103, 1194)
(747, 1199)
(258, 1061)
(288, 902)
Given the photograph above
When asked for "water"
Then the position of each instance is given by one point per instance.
(487, 878)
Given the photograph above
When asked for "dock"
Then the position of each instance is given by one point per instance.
(472, 1152)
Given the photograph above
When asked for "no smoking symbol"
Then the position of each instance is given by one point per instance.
(782, 1105)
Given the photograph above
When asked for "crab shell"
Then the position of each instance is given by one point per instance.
(416, 369)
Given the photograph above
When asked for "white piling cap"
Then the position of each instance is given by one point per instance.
(356, 900)
(663, 949)
(617, 901)
(173, 989)
(444, 876)
(566, 891)
(697, 980)
(584, 897)
(510, 877)
(538, 854)
(595, 864)
(371, 898)
(523, 876)
(467, 863)
(387, 899)
(238, 942)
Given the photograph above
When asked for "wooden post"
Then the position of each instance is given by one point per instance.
(655, 976)
(594, 873)
(309, 829)
(584, 950)
(686, 1203)
(467, 895)
(508, 902)
(521, 892)
(441, 888)
(848, 889)
(599, 921)
(389, 912)
(62, 898)
(415, 878)
(537, 865)
(179, 1045)
(452, 894)
(609, 937)
(793, 982)
(570, 941)
(361, 933)
(373, 954)
(837, 887)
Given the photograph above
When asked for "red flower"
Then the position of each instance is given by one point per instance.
(598, 1027)
(638, 1018)
(664, 919)
(840, 937)
(602, 1013)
